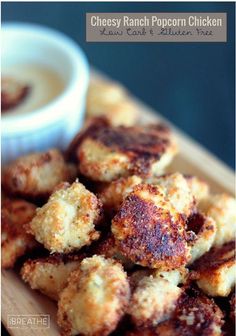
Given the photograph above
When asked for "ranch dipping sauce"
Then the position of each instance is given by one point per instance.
(27, 87)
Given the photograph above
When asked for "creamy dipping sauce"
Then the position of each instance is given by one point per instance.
(43, 84)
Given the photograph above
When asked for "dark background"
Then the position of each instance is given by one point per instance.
(191, 84)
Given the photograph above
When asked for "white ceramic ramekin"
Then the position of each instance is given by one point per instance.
(54, 124)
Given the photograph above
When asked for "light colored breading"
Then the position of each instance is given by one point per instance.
(136, 276)
(50, 275)
(115, 192)
(66, 221)
(149, 231)
(15, 241)
(110, 99)
(108, 249)
(106, 153)
(204, 229)
(194, 315)
(36, 175)
(95, 298)
(217, 270)
(222, 208)
(198, 187)
(178, 192)
(175, 277)
(154, 299)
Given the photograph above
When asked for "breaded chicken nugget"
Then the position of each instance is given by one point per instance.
(35, 175)
(149, 231)
(154, 298)
(113, 194)
(15, 241)
(178, 192)
(204, 229)
(49, 275)
(106, 153)
(199, 188)
(108, 249)
(217, 270)
(66, 221)
(110, 99)
(222, 208)
(95, 298)
(194, 315)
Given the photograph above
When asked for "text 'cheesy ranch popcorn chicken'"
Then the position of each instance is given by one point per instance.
(222, 208)
(149, 231)
(110, 99)
(155, 297)
(67, 221)
(49, 275)
(217, 270)
(204, 229)
(194, 315)
(36, 175)
(95, 298)
(106, 153)
(15, 242)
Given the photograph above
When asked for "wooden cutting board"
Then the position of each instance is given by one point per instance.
(18, 298)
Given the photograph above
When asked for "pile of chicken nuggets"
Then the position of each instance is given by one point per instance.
(122, 246)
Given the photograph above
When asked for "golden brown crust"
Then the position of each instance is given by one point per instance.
(67, 221)
(16, 214)
(49, 275)
(216, 270)
(95, 299)
(149, 231)
(106, 153)
(178, 192)
(195, 315)
(36, 175)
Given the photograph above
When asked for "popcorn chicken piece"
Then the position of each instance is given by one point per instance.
(108, 249)
(36, 175)
(113, 194)
(204, 229)
(13, 93)
(155, 298)
(178, 192)
(106, 153)
(95, 298)
(15, 241)
(222, 208)
(149, 231)
(217, 270)
(66, 222)
(199, 188)
(50, 275)
(110, 99)
(195, 315)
